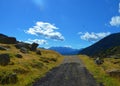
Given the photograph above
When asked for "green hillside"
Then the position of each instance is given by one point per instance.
(111, 52)
(108, 42)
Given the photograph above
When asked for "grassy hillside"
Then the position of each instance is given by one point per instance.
(102, 72)
(110, 41)
(111, 52)
(28, 68)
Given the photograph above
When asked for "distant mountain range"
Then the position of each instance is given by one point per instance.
(103, 46)
(66, 50)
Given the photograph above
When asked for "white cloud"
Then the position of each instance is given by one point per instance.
(115, 21)
(40, 42)
(45, 29)
(92, 37)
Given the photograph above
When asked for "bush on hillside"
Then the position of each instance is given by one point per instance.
(18, 55)
(8, 78)
(38, 52)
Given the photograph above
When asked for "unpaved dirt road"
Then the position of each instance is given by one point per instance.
(70, 73)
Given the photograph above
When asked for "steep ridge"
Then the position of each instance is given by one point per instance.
(110, 41)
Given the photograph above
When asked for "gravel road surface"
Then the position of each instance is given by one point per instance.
(71, 72)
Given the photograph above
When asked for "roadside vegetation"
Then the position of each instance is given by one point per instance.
(105, 73)
(25, 68)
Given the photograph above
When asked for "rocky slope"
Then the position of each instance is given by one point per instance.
(22, 63)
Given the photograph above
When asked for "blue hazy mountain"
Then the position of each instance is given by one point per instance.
(66, 50)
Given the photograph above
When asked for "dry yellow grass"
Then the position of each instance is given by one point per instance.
(99, 71)
(31, 66)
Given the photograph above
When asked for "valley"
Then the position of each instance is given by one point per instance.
(59, 42)
(24, 64)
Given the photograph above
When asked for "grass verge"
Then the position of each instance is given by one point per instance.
(29, 68)
(98, 72)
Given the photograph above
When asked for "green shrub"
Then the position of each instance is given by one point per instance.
(37, 65)
(53, 59)
(20, 70)
(8, 78)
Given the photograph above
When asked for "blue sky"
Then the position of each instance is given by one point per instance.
(70, 23)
